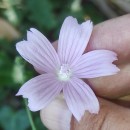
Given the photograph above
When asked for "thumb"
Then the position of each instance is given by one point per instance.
(111, 117)
(56, 116)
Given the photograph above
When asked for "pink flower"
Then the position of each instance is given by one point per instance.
(63, 70)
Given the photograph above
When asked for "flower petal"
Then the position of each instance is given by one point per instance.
(73, 39)
(80, 97)
(38, 51)
(40, 91)
(95, 64)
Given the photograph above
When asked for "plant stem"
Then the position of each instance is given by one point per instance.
(29, 116)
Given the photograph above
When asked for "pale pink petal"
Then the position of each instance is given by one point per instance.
(95, 64)
(40, 91)
(38, 51)
(39, 70)
(73, 39)
(80, 97)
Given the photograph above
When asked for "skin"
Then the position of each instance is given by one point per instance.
(110, 117)
(114, 112)
(113, 35)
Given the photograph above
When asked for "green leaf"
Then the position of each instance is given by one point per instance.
(10, 120)
(41, 13)
(39, 124)
(93, 12)
(20, 121)
(5, 69)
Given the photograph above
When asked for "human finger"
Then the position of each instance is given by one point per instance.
(113, 35)
(111, 116)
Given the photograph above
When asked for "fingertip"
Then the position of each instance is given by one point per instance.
(56, 116)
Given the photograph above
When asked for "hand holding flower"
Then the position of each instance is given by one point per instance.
(111, 35)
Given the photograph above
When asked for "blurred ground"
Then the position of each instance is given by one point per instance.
(16, 17)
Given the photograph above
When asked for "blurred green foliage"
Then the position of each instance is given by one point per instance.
(47, 16)
(11, 120)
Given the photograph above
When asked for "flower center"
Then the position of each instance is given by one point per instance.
(64, 73)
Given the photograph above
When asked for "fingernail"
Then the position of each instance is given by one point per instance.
(56, 116)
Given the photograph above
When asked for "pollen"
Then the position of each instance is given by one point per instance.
(64, 73)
